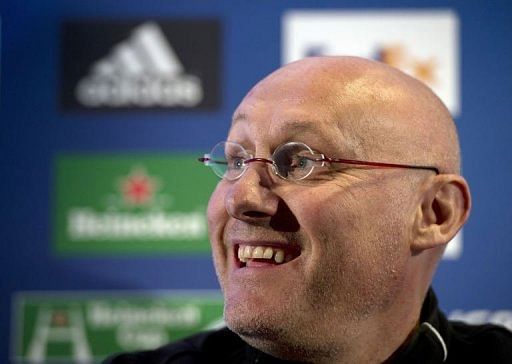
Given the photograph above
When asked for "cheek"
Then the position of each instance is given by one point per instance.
(217, 219)
(358, 239)
(331, 217)
(216, 212)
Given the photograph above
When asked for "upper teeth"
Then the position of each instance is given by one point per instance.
(246, 252)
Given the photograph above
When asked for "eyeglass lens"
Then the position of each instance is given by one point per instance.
(292, 161)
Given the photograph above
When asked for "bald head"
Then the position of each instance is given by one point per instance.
(369, 239)
(384, 112)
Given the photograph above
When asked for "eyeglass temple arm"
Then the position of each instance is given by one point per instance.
(207, 160)
(378, 164)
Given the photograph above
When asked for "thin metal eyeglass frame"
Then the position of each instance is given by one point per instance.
(206, 159)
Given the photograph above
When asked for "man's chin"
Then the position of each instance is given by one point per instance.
(251, 314)
(263, 333)
(269, 327)
(262, 337)
(279, 341)
(251, 327)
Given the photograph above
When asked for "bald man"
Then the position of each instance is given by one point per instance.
(339, 191)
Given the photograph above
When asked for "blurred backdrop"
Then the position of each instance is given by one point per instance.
(106, 105)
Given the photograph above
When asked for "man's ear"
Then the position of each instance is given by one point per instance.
(444, 208)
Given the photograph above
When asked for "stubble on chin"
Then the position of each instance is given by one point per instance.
(281, 337)
(292, 329)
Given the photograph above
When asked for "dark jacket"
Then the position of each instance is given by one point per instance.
(436, 340)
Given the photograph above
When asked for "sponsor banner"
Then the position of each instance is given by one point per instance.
(137, 65)
(131, 204)
(478, 317)
(422, 43)
(86, 327)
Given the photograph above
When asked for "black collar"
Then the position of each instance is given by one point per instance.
(429, 344)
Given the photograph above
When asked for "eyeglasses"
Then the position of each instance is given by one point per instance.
(293, 161)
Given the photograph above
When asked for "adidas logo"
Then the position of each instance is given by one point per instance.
(142, 71)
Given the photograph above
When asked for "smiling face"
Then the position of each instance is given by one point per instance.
(337, 243)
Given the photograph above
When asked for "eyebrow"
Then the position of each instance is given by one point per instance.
(238, 117)
(296, 126)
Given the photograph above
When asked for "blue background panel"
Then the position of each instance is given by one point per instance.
(34, 130)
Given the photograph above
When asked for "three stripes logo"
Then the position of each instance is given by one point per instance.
(112, 65)
(143, 71)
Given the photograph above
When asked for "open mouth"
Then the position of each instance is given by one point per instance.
(263, 255)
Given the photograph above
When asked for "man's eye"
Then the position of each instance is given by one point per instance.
(301, 162)
(235, 162)
(304, 162)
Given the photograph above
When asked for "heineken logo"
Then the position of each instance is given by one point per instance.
(138, 188)
(107, 204)
(86, 327)
(86, 224)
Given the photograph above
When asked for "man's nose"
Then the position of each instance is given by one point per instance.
(251, 197)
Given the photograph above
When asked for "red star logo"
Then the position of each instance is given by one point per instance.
(137, 187)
